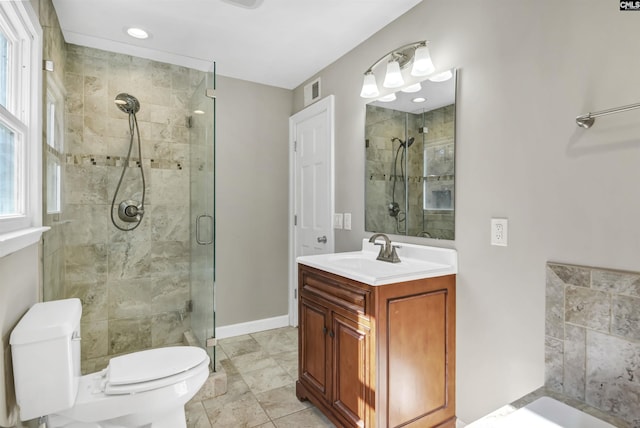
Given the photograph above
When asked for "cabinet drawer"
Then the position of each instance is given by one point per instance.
(333, 289)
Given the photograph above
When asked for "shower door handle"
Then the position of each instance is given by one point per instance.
(198, 219)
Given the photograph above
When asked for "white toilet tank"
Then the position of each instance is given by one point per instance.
(45, 348)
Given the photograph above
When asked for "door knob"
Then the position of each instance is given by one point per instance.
(322, 239)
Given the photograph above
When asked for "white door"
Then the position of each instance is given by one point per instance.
(311, 189)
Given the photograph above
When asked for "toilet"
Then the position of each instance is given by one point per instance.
(144, 389)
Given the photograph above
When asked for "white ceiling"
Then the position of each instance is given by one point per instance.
(280, 43)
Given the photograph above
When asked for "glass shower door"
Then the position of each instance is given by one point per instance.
(201, 122)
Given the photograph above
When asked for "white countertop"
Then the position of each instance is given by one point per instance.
(416, 262)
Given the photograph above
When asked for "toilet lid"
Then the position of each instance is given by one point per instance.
(145, 366)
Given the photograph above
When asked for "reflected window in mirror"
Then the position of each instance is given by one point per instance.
(410, 160)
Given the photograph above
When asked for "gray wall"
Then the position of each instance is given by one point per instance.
(527, 68)
(19, 288)
(252, 168)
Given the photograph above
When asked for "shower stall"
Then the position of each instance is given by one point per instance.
(146, 161)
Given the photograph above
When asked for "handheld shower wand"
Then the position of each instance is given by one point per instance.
(129, 211)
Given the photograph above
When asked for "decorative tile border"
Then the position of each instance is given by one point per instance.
(105, 160)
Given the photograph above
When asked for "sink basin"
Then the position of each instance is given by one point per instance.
(417, 262)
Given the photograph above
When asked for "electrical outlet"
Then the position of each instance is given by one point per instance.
(347, 221)
(499, 231)
(337, 221)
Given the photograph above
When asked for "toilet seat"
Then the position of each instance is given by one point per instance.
(150, 369)
(139, 399)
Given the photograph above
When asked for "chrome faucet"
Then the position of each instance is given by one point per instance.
(387, 250)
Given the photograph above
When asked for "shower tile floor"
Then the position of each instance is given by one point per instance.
(261, 372)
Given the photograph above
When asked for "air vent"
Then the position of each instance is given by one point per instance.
(312, 92)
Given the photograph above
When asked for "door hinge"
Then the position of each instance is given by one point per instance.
(295, 219)
(210, 93)
(295, 146)
(295, 293)
(211, 342)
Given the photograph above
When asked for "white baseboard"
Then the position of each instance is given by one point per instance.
(251, 326)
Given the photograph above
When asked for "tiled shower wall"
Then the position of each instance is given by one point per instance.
(133, 285)
(592, 343)
(440, 147)
(384, 124)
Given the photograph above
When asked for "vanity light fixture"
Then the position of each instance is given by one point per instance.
(397, 59)
(137, 33)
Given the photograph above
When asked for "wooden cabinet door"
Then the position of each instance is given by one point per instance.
(420, 360)
(314, 358)
(351, 383)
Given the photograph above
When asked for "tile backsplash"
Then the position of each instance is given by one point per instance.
(592, 337)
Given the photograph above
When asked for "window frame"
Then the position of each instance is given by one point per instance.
(23, 111)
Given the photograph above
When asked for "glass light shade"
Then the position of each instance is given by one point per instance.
(422, 64)
(369, 86)
(388, 98)
(393, 78)
(441, 77)
(412, 88)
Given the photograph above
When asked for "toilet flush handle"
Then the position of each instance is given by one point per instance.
(76, 336)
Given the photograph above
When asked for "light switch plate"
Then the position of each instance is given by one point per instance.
(347, 221)
(337, 220)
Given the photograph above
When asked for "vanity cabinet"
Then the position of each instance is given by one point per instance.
(377, 356)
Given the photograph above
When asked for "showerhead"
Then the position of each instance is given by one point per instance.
(405, 144)
(127, 103)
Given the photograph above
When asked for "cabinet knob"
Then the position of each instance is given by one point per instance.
(331, 334)
(324, 330)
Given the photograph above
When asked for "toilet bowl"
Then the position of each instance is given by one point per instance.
(143, 389)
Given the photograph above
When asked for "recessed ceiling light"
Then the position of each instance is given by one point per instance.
(198, 112)
(419, 100)
(138, 33)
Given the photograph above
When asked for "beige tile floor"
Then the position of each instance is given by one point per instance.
(261, 372)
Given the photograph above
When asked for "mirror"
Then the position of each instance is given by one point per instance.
(410, 161)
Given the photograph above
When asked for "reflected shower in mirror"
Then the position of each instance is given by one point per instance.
(410, 160)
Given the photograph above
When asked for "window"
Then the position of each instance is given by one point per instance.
(20, 151)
